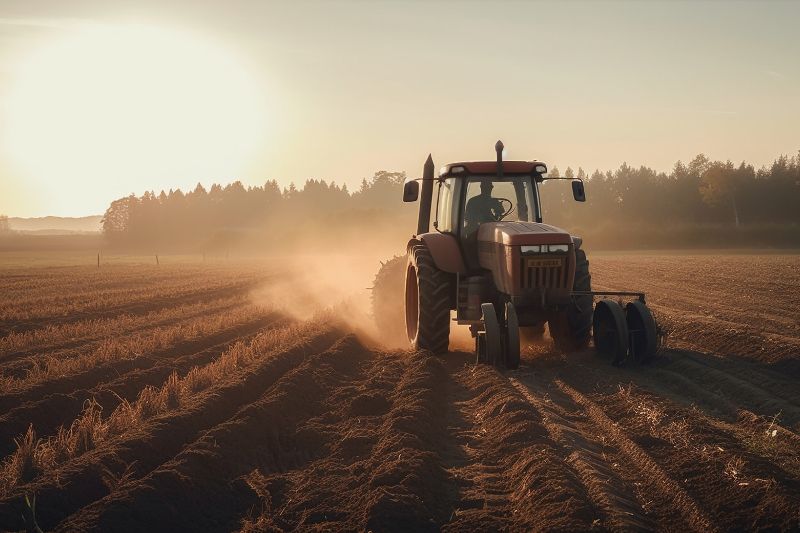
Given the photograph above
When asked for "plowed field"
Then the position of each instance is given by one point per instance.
(195, 398)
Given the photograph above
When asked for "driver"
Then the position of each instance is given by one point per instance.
(483, 208)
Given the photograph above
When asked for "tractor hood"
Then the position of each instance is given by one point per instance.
(547, 276)
(522, 233)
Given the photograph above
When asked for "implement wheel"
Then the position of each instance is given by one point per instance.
(429, 292)
(643, 334)
(610, 331)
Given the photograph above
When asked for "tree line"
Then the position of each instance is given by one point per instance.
(214, 218)
(698, 194)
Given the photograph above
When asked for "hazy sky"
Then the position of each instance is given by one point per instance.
(101, 99)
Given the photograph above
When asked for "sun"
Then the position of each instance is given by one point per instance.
(114, 110)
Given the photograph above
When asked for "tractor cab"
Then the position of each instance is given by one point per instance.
(474, 193)
(471, 195)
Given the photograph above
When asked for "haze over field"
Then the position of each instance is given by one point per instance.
(104, 99)
(216, 313)
(54, 225)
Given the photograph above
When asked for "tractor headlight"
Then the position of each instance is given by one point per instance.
(544, 248)
(532, 249)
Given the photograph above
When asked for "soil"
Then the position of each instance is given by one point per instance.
(340, 432)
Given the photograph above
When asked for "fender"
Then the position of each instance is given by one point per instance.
(445, 251)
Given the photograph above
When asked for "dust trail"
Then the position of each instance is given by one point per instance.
(308, 283)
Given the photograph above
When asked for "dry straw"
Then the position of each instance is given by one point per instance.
(34, 456)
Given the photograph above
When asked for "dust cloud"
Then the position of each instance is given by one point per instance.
(305, 284)
(318, 271)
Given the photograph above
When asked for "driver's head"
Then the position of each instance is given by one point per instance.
(486, 187)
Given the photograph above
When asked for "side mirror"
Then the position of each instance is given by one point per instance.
(578, 191)
(411, 191)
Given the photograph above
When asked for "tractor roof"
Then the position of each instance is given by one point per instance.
(490, 167)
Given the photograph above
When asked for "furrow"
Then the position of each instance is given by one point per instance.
(100, 373)
(136, 308)
(745, 388)
(204, 482)
(134, 324)
(592, 461)
(145, 447)
(513, 475)
(54, 410)
(684, 504)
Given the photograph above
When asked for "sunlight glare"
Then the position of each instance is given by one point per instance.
(124, 108)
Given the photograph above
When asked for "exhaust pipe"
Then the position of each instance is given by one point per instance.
(499, 149)
(425, 201)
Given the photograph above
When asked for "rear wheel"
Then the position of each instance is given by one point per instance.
(571, 329)
(428, 294)
(387, 297)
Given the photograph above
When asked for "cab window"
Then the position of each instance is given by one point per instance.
(444, 211)
(489, 199)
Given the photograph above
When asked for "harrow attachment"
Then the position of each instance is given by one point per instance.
(626, 333)
(621, 332)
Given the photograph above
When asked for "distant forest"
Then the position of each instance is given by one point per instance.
(701, 203)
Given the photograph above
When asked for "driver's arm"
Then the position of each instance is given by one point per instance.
(497, 208)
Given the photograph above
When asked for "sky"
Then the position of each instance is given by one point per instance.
(100, 99)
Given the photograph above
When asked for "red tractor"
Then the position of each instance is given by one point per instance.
(491, 260)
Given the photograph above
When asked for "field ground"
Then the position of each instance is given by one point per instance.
(193, 396)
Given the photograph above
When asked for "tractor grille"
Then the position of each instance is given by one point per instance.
(548, 272)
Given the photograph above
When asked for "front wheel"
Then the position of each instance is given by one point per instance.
(512, 337)
(571, 329)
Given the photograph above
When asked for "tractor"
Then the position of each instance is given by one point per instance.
(505, 274)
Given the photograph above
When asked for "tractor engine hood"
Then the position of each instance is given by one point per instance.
(545, 278)
(522, 233)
